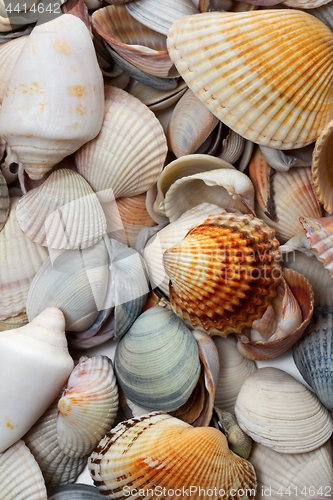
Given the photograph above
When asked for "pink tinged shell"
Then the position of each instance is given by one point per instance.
(319, 232)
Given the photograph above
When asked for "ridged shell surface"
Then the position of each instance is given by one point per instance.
(128, 154)
(313, 355)
(63, 213)
(318, 231)
(9, 53)
(224, 273)
(263, 73)
(20, 476)
(157, 362)
(321, 168)
(281, 413)
(88, 406)
(158, 450)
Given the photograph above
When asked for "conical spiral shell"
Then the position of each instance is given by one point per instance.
(224, 273)
(263, 73)
(159, 451)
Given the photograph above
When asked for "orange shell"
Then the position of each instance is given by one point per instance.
(224, 273)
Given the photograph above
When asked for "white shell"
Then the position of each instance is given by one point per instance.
(9, 53)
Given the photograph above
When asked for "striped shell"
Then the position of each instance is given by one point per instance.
(321, 168)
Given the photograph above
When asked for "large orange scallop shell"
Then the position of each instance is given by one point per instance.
(224, 273)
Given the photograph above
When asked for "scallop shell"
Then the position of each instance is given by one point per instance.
(319, 233)
(223, 273)
(157, 362)
(63, 213)
(321, 167)
(268, 409)
(21, 259)
(313, 355)
(88, 406)
(278, 97)
(158, 450)
(4, 201)
(9, 52)
(20, 476)
(127, 156)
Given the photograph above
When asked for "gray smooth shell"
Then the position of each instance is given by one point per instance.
(75, 492)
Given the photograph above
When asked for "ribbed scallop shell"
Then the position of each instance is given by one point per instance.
(20, 261)
(158, 450)
(157, 361)
(281, 413)
(88, 406)
(313, 355)
(9, 53)
(278, 95)
(63, 213)
(324, 13)
(133, 217)
(20, 476)
(321, 168)
(128, 154)
(320, 233)
(4, 201)
(224, 273)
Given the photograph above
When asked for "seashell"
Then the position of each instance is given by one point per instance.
(319, 233)
(232, 147)
(161, 442)
(128, 155)
(295, 158)
(4, 201)
(234, 369)
(15, 322)
(21, 259)
(320, 167)
(43, 126)
(160, 16)
(305, 4)
(246, 156)
(324, 13)
(76, 282)
(63, 213)
(297, 472)
(261, 175)
(144, 48)
(10, 35)
(9, 53)
(88, 406)
(9, 164)
(215, 267)
(75, 492)
(20, 475)
(224, 5)
(241, 100)
(57, 468)
(267, 409)
(157, 99)
(157, 362)
(313, 355)
(36, 360)
(239, 442)
(189, 126)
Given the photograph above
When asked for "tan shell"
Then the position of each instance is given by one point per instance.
(321, 168)
(279, 96)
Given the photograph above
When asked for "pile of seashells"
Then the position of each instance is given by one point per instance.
(166, 230)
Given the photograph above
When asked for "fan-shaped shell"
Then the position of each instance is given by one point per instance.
(278, 96)
(268, 409)
(127, 156)
(63, 213)
(158, 450)
(88, 406)
(321, 167)
(224, 273)
(319, 230)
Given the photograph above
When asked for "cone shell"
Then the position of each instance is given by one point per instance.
(224, 273)
(20, 476)
(159, 450)
(63, 213)
(128, 154)
(279, 95)
(321, 168)
(268, 409)
(88, 406)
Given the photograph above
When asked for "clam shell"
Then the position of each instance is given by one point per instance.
(321, 167)
(282, 161)
(215, 267)
(21, 259)
(9, 53)
(232, 147)
(63, 213)
(268, 409)
(313, 355)
(75, 492)
(88, 406)
(157, 362)
(4, 201)
(127, 156)
(157, 450)
(20, 476)
(267, 100)
(239, 442)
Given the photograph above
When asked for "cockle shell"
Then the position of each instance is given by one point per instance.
(224, 273)
(20, 261)
(321, 167)
(158, 450)
(127, 156)
(54, 99)
(157, 361)
(319, 233)
(313, 355)
(20, 476)
(88, 406)
(9, 53)
(267, 100)
(35, 359)
(4, 201)
(63, 213)
(267, 409)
